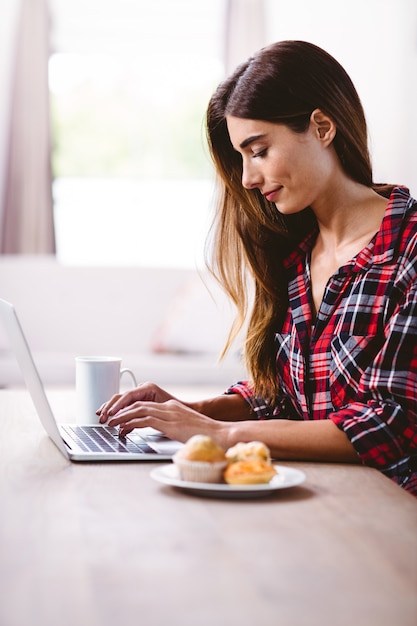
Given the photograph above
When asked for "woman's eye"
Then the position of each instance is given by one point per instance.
(261, 153)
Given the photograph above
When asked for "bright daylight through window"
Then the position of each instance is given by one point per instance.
(129, 83)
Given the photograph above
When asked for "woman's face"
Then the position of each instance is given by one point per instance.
(292, 170)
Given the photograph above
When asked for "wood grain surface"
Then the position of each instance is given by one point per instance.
(103, 544)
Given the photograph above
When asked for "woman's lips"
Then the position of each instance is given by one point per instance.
(271, 195)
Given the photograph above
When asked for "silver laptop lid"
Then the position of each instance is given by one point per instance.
(30, 373)
(160, 447)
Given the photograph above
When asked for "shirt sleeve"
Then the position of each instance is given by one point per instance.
(260, 408)
(382, 422)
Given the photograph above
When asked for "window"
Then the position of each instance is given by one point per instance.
(129, 84)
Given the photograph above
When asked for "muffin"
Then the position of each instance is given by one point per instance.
(251, 450)
(249, 464)
(201, 460)
(249, 472)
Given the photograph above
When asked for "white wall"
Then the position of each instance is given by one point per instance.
(376, 42)
(8, 24)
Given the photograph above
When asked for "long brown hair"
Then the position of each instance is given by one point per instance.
(282, 83)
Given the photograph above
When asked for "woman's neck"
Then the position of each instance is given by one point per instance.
(349, 219)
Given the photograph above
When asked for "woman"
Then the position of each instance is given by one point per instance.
(330, 258)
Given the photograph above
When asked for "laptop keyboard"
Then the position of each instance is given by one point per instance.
(106, 439)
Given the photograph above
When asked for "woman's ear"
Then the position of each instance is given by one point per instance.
(323, 125)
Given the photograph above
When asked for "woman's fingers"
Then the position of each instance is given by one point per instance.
(149, 405)
(172, 418)
(141, 410)
(104, 409)
(143, 392)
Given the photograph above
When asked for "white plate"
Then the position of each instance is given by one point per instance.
(286, 477)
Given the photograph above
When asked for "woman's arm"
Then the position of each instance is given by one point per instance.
(225, 418)
(313, 440)
(227, 408)
(296, 440)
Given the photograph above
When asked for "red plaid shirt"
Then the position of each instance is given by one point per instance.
(356, 364)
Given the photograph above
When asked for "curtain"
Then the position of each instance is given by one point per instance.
(245, 31)
(27, 217)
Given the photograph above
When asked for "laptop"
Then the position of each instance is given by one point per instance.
(79, 442)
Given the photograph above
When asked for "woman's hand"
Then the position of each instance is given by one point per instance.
(149, 405)
(147, 392)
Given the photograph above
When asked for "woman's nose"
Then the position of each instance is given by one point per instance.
(250, 177)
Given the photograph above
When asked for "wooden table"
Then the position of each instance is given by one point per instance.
(104, 544)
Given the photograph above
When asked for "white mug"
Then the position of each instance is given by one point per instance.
(97, 379)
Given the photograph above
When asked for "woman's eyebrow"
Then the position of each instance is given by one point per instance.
(250, 140)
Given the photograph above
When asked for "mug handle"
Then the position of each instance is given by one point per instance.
(126, 370)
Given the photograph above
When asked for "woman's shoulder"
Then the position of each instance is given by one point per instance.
(404, 208)
(401, 210)
(400, 196)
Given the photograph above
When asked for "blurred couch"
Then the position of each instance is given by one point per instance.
(168, 325)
